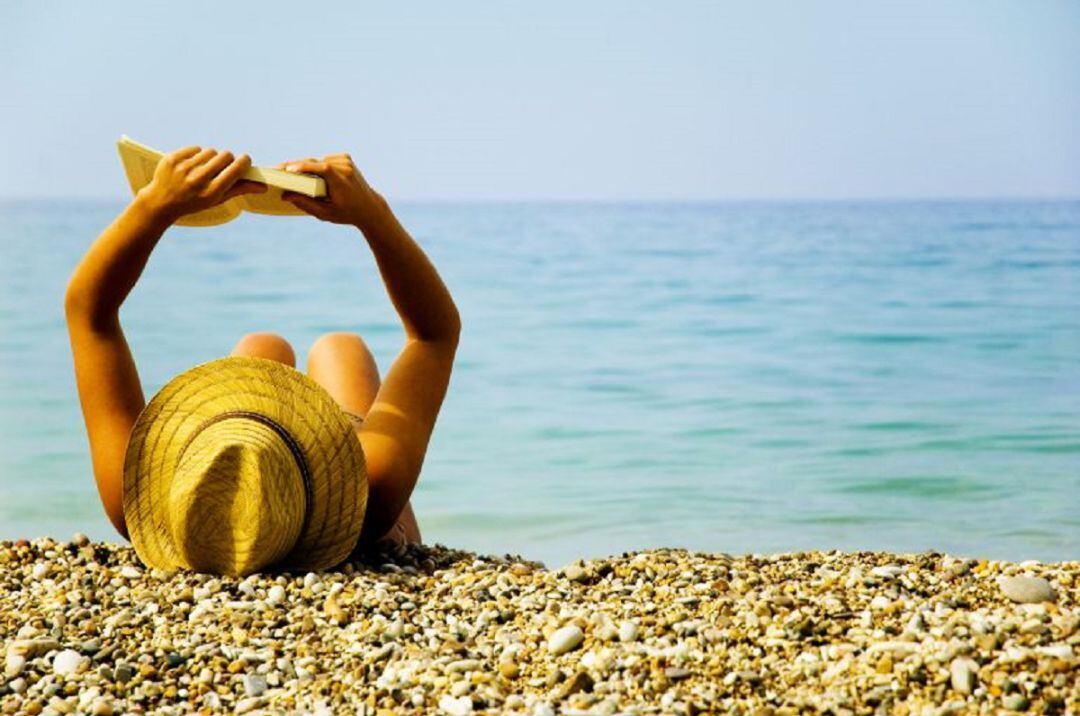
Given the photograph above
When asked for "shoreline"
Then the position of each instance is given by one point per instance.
(85, 629)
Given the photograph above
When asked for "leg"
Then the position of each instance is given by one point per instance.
(266, 345)
(342, 363)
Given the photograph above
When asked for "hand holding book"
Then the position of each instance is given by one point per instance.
(193, 179)
(349, 199)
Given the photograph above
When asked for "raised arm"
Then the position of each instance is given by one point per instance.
(110, 393)
(398, 426)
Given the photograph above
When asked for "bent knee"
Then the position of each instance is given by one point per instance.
(337, 343)
(266, 345)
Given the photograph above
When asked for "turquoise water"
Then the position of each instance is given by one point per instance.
(733, 377)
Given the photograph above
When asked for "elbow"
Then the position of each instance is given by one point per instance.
(75, 302)
(82, 307)
(454, 327)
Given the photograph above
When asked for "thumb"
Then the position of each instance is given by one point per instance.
(316, 208)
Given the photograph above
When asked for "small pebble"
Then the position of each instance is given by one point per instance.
(14, 664)
(676, 674)
(1015, 702)
(275, 595)
(250, 704)
(458, 706)
(962, 674)
(67, 662)
(254, 685)
(124, 673)
(565, 639)
(575, 573)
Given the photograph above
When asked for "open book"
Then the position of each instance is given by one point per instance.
(140, 161)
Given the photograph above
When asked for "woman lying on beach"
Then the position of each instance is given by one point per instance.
(246, 462)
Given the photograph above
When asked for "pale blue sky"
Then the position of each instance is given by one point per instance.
(558, 100)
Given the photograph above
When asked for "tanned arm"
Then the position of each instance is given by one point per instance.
(397, 428)
(110, 393)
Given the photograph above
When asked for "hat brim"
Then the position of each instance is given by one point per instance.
(338, 489)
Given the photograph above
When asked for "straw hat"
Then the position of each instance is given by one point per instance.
(242, 463)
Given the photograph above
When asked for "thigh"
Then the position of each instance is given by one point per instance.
(343, 364)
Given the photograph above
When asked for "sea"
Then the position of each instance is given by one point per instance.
(726, 377)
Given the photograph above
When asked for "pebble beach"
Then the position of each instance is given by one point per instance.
(87, 630)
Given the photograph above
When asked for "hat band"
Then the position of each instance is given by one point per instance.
(286, 437)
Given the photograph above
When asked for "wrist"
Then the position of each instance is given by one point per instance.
(372, 211)
(150, 208)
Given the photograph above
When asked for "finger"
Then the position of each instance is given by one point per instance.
(182, 154)
(229, 174)
(316, 208)
(245, 187)
(282, 165)
(212, 168)
(307, 167)
(200, 157)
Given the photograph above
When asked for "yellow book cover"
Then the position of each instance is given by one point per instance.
(140, 161)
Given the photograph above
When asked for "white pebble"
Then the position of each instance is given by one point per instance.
(880, 602)
(628, 631)
(254, 685)
(250, 704)
(1058, 651)
(41, 570)
(129, 572)
(67, 662)
(14, 665)
(565, 639)
(1027, 590)
(455, 706)
(962, 674)
(275, 595)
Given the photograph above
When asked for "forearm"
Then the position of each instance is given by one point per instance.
(418, 293)
(110, 269)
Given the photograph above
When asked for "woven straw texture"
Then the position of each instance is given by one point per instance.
(325, 436)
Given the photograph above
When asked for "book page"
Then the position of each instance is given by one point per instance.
(269, 203)
(213, 216)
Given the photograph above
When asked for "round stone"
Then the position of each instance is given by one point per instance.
(1027, 590)
(67, 662)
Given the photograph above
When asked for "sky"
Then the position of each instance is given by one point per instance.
(554, 100)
